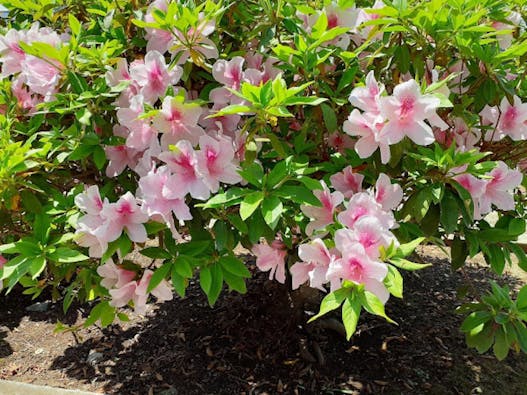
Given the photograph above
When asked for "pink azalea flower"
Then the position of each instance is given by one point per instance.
(113, 276)
(368, 128)
(356, 266)
(26, 99)
(120, 157)
(11, 55)
(140, 134)
(465, 137)
(162, 292)
(90, 201)
(157, 39)
(229, 73)
(178, 121)
(369, 233)
(367, 97)
(216, 162)
(271, 258)
(406, 111)
(86, 235)
(194, 43)
(124, 214)
(316, 259)
(114, 77)
(123, 295)
(498, 189)
(154, 77)
(388, 195)
(183, 162)
(347, 182)
(340, 142)
(41, 76)
(156, 203)
(513, 119)
(475, 187)
(322, 216)
(362, 204)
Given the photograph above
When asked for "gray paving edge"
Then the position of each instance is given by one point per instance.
(18, 388)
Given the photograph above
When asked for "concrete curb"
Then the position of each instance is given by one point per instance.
(17, 388)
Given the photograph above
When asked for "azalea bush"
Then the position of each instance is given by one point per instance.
(328, 138)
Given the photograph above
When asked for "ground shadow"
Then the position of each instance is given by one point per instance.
(254, 343)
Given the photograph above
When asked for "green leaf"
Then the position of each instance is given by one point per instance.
(406, 249)
(226, 199)
(253, 174)
(159, 275)
(183, 267)
(232, 109)
(501, 346)
(394, 282)
(373, 305)
(521, 299)
(272, 209)
(521, 334)
(303, 100)
(417, 205)
(205, 279)
(298, 194)
(475, 319)
(496, 257)
(216, 284)
(96, 313)
(408, 265)
(350, 315)
(449, 212)
(234, 282)
(234, 266)
(67, 255)
(330, 118)
(155, 253)
(179, 282)
(332, 301)
(250, 203)
(75, 25)
(516, 227)
(38, 265)
(458, 252)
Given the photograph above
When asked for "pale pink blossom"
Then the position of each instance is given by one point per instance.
(368, 128)
(154, 76)
(347, 182)
(406, 111)
(466, 138)
(316, 259)
(123, 295)
(513, 119)
(26, 100)
(498, 189)
(125, 214)
(86, 235)
(322, 216)
(229, 72)
(140, 134)
(363, 204)
(120, 157)
(3, 261)
(115, 76)
(271, 258)
(178, 121)
(368, 232)
(388, 195)
(216, 162)
(162, 292)
(113, 276)
(41, 75)
(183, 163)
(11, 55)
(367, 97)
(475, 187)
(157, 39)
(356, 266)
(340, 142)
(194, 43)
(90, 201)
(156, 203)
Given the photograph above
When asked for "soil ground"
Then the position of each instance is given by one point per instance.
(256, 344)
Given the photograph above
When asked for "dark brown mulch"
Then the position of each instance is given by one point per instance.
(256, 344)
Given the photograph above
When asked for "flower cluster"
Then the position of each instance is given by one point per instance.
(124, 288)
(361, 228)
(36, 79)
(386, 120)
(495, 188)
